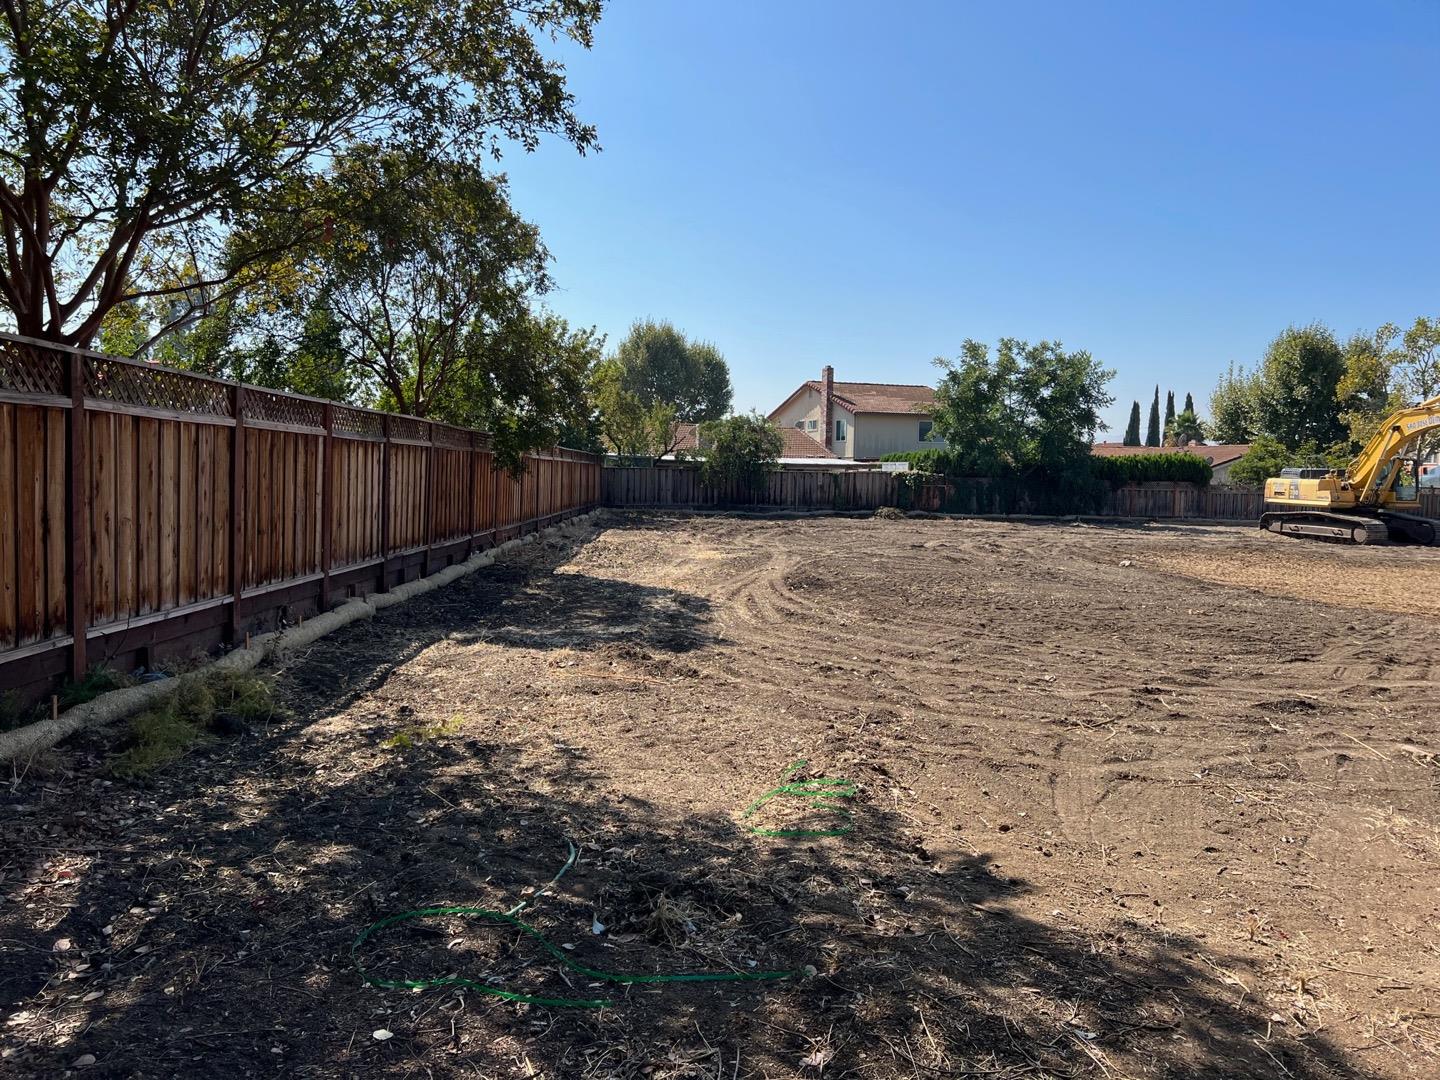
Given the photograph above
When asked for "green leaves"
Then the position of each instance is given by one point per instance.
(1029, 410)
(1296, 399)
(139, 136)
(1132, 429)
(630, 426)
(739, 451)
(660, 365)
(1176, 468)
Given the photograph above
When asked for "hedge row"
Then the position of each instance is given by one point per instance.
(1176, 468)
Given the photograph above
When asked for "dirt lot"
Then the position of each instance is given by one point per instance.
(1145, 802)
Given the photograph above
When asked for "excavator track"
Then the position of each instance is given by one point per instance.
(1335, 528)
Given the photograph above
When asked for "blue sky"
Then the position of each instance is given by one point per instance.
(867, 185)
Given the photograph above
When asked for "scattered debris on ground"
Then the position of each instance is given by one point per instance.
(1127, 802)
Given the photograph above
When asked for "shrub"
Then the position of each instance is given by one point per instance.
(225, 702)
(1267, 457)
(941, 462)
(739, 451)
(1177, 468)
(97, 681)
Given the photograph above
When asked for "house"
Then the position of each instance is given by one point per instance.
(797, 447)
(1221, 456)
(860, 420)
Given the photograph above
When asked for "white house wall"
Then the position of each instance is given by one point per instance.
(802, 407)
(883, 433)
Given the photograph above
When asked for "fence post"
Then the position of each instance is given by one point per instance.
(77, 584)
(385, 502)
(470, 507)
(429, 498)
(237, 511)
(494, 498)
(327, 493)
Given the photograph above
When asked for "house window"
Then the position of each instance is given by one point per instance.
(839, 430)
(925, 426)
(812, 425)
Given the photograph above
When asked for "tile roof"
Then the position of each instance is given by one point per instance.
(1216, 454)
(686, 436)
(873, 397)
(796, 443)
(800, 445)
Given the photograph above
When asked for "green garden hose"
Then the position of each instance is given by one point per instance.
(818, 793)
(509, 918)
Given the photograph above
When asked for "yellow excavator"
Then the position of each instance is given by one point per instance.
(1376, 498)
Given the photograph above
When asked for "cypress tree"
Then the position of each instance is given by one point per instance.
(1152, 429)
(1169, 411)
(1132, 429)
(1189, 403)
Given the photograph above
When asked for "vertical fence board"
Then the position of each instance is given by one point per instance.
(185, 541)
(9, 586)
(102, 517)
(125, 497)
(147, 524)
(204, 494)
(169, 473)
(57, 536)
(220, 526)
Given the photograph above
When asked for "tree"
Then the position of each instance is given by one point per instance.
(138, 139)
(1185, 429)
(1031, 410)
(659, 364)
(528, 388)
(1297, 399)
(1233, 408)
(1189, 403)
(1169, 411)
(1152, 429)
(1268, 456)
(627, 424)
(1132, 429)
(1418, 360)
(740, 451)
(1365, 390)
(432, 282)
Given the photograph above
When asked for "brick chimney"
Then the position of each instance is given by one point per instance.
(827, 406)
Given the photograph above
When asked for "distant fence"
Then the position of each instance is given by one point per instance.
(679, 487)
(809, 489)
(145, 508)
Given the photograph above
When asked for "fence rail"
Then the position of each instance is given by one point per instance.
(145, 508)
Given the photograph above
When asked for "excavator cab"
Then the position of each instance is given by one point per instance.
(1405, 488)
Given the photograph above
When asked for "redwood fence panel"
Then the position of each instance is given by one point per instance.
(679, 487)
(146, 509)
(809, 489)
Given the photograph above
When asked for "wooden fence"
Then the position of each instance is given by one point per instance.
(143, 508)
(810, 489)
(679, 487)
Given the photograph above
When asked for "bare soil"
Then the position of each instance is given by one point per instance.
(1132, 802)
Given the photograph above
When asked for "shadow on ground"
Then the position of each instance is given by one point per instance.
(208, 915)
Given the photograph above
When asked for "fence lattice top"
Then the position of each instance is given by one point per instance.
(150, 387)
(28, 370)
(264, 405)
(30, 367)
